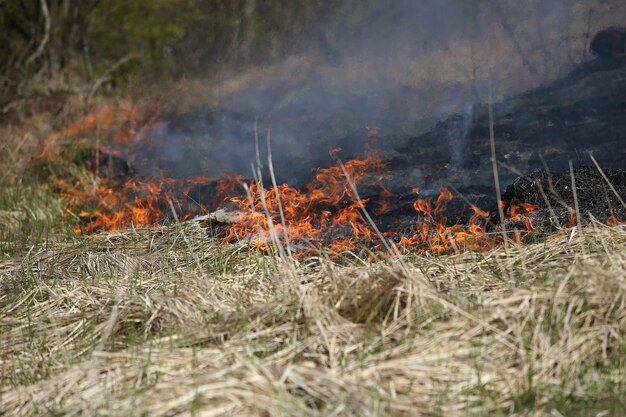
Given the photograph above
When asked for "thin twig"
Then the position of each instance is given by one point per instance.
(256, 145)
(277, 191)
(574, 192)
(256, 172)
(557, 197)
(367, 215)
(173, 210)
(494, 165)
(607, 180)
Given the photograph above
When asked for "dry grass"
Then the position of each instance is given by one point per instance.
(169, 322)
(164, 322)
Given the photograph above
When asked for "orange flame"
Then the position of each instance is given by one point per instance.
(432, 233)
(327, 207)
(385, 202)
(125, 121)
(141, 202)
(613, 221)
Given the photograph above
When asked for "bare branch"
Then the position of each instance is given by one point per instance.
(46, 36)
(107, 75)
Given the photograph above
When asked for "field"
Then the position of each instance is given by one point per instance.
(171, 321)
(168, 321)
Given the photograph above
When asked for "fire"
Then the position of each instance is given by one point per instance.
(572, 219)
(125, 121)
(141, 202)
(613, 221)
(328, 207)
(386, 201)
(517, 213)
(326, 213)
(106, 206)
(432, 233)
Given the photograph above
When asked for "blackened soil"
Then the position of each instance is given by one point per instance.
(554, 194)
(559, 122)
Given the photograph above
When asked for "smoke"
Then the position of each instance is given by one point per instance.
(397, 65)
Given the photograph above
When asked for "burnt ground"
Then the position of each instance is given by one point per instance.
(551, 191)
(559, 122)
(554, 194)
(562, 121)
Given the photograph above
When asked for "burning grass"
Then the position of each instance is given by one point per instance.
(107, 194)
(327, 212)
(170, 321)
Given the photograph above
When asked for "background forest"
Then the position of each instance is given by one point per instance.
(79, 46)
(120, 41)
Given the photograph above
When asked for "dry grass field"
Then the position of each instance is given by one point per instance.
(162, 322)
(168, 321)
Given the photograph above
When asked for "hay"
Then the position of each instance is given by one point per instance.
(169, 322)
